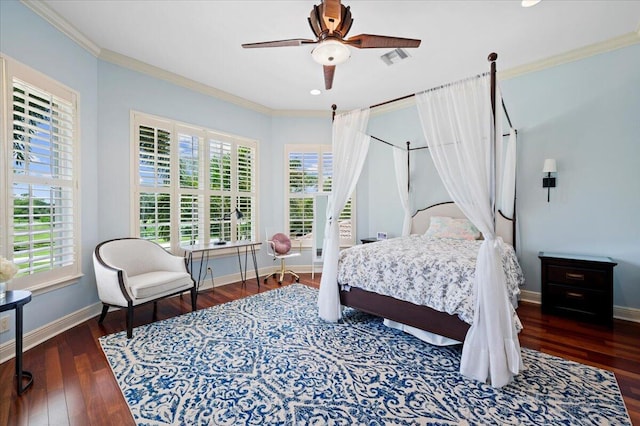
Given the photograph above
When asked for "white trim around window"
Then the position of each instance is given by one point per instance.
(39, 183)
(309, 170)
(187, 180)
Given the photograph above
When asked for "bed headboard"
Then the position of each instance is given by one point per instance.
(420, 221)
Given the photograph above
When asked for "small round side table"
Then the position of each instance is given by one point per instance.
(16, 299)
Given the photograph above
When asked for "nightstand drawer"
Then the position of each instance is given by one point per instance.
(577, 276)
(578, 300)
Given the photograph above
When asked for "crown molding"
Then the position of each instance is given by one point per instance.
(303, 113)
(143, 67)
(58, 22)
(65, 27)
(624, 40)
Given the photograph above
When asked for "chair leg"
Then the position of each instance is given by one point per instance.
(282, 271)
(130, 321)
(105, 309)
(194, 295)
(293, 274)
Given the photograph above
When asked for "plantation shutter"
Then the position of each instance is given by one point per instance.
(189, 181)
(303, 183)
(43, 183)
(246, 191)
(220, 185)
(154, 172)
(191, 188)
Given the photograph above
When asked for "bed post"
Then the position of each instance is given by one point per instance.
(492, 59)
(408, 166)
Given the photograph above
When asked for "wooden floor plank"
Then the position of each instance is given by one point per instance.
(74, 385)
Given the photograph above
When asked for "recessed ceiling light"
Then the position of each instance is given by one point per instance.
(315, 92)
(529, 3)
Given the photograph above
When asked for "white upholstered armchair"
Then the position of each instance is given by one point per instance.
(132, 271)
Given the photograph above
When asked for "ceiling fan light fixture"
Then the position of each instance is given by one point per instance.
(331, 52)
(530, 3)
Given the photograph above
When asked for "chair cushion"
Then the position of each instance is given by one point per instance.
(281, 243)
(155, 284)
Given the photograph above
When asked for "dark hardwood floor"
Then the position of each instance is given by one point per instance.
(73, 383)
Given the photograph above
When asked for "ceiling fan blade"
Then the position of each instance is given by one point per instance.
(329, 71)
(370, 41)
(280, 43)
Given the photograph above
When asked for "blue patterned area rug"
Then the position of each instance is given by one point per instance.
(269, 359)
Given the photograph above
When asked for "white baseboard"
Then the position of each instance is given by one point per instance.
(46, 332)
(530, 296)
(627, 314)
(619, 312)
(251, 275)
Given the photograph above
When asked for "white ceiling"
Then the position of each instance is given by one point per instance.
(201, 40)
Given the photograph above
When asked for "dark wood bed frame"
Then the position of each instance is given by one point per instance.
(419, 316)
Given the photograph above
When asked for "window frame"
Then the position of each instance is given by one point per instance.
(56, 276)
(175, 190)
(321, 150)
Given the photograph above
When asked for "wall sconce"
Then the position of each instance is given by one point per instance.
(548, 181)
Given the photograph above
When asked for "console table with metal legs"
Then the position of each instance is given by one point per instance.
(205, 250)
(16, 299)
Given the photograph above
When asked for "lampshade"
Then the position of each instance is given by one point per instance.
(549, 166)
(331, 52)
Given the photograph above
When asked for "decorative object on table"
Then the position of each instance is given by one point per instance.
(381, 236)
(8, 270)
(223, 365)
(548, 181)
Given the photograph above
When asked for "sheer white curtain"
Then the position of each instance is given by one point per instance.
(349, 146)
(402, 177)
(457, 124)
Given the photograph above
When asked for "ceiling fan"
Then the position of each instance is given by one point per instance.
(330, 21)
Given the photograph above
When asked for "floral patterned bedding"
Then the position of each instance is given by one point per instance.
(436, 272)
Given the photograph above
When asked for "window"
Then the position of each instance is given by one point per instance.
(309, 173)
(188, 182)
(39, 191)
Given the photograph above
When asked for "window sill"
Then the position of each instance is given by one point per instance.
(43, 288)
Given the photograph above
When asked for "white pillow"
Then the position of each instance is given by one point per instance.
(448, 227)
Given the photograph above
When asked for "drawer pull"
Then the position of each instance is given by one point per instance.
(575, 295)
(578, 277)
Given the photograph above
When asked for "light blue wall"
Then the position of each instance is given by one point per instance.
(586, 115)
(27, 38)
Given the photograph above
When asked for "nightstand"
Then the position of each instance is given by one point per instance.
(578, 286)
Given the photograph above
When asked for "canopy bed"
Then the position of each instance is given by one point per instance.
(460, 123)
